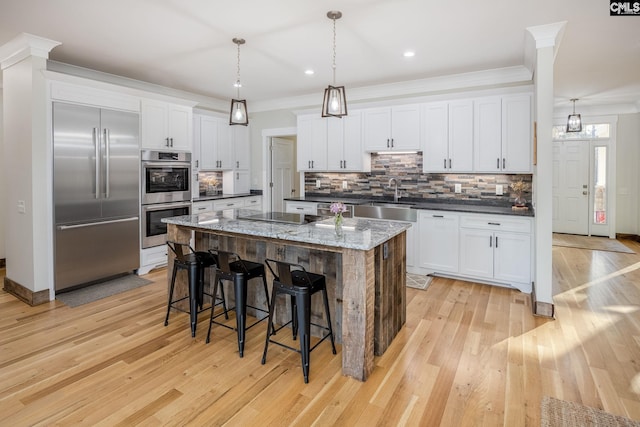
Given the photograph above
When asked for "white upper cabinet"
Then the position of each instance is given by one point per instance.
(502, 134)
(166, 125)
(516, 133)
(240, 143)
(312, 143)
(344, 144)
(447, 133)
(213, 138)
(392, 128)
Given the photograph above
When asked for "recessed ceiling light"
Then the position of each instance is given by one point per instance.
(409, 54)
(309, 72)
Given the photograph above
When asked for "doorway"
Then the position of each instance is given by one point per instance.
(283, 172)
(583, 187)
(284, 159)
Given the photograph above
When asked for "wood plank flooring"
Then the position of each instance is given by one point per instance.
(469, 355)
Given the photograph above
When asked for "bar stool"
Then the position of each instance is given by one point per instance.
(234, 269)
(295, 281)
(194, 263)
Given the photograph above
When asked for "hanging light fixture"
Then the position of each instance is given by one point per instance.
(574, 122)
(238, 114)
(334, 103)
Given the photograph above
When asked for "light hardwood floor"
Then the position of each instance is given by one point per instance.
(469, 355)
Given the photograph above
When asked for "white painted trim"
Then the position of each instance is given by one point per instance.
(267, 134)
(23, 46)
(548, 35)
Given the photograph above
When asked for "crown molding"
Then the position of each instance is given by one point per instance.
(23, 46)
(410, 88)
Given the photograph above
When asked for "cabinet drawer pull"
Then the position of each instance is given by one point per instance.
(493, 223)
(438, 216)
(300, 209)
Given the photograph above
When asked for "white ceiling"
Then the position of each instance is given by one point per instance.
(186, 44)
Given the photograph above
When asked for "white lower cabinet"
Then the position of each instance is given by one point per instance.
(438, 244)
(496, 249)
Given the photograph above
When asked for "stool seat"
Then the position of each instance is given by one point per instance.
(194, 263)
(293, 280)
(231, 267)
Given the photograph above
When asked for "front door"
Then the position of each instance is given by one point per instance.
(571, 187)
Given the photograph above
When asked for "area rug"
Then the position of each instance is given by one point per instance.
(418, 281)
(560, 413)
(590, 242)
(102, 290)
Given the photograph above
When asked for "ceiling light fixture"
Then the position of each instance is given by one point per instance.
(409, 54)
(334, 103)
(574, 122)
(238, 114)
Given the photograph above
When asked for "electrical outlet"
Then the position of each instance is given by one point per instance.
(317, 183)
(458, 188)
(499, 191)
(344, 185)
(21, 206)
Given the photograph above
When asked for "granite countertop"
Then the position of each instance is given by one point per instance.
(458, 205)
(222, 196)
(358, 233)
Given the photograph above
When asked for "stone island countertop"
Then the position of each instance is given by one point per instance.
(357, 233)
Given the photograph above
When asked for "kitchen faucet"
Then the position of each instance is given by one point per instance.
(394, 182)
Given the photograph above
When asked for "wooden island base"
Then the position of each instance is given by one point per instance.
(366, 287)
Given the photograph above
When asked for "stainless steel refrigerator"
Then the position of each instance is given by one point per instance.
(96, 194)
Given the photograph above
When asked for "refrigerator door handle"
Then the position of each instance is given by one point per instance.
(91, 224)
(96, 144)
(107, 143)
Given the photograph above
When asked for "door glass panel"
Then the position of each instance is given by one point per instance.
(600, 185)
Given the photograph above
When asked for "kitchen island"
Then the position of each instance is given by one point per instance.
(365, 270)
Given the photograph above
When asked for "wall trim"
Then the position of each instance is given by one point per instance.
(624, 236)
(24, 294)
(539, 308)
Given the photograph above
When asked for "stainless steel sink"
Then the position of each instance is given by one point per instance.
(390, 211)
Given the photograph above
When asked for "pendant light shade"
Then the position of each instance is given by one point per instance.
(238, 113)
(334, 102)
(574, 122)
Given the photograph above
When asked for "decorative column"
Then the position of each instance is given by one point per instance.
(546, 40)
(26, 165)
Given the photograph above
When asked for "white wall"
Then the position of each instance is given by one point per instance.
(627, 175)
(3, 180)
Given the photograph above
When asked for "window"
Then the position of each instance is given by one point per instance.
(593, 131)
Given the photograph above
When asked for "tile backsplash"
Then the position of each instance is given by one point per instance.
(210, 183)
(412, 183)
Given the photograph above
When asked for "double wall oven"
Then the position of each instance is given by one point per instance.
(166, 192)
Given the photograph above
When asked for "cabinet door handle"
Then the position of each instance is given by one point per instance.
(237, 163)
(493, 223)
(504, 163)
(391, 142)
(496, 241)
(490, 241)
(498, 163)
(387, 142)
(167, 140)
(238, 175)
(449, 163)
(344, 162)
(445, 163)
(309, 164)
(171, 139)
(438, 216)
(197, 163)
(340, 164)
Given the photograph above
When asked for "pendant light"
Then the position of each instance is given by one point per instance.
(334, 103)
(574, 122)
(238, 114)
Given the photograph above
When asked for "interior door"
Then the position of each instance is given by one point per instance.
(571, 187)
(282, 173)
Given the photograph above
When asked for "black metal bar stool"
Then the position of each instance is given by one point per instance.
(293, 280)
(233, 268)
(194, 263)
